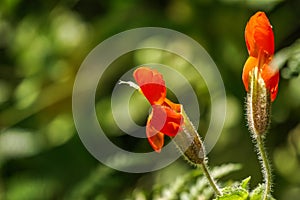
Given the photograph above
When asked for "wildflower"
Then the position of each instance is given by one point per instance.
(261, 83)
(166, 117)
(260, 44)
(259, 78)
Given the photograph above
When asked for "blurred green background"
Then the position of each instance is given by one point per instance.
(42, 45)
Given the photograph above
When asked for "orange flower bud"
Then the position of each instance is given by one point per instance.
(259, 35)
(260, 44)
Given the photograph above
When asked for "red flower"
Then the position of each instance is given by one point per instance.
(165, 117)
(260, 44)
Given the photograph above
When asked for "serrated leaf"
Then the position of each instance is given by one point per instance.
(245, 183)
(201, 184)
(193, 184)
(235, 194)
(225, 169)
(258, 192)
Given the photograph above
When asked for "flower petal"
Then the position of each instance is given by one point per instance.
(151, 83)
(259, 35)
(248, 67)
(271, 78)
(155, 138)
(166, 120)
(174, 106)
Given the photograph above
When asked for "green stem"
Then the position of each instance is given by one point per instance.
(190, 145)
(265, 165)
(210, 179)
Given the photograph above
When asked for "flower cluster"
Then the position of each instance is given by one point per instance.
(261, 83)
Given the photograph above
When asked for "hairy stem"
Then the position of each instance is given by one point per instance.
(210, 179)
(258, 117)
(191, 146)
(265, 166)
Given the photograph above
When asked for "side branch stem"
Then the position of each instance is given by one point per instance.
(210, 179)
(190, 144)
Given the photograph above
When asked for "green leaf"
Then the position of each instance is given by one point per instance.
(234, 194)
(236, 191)
(201, 184)
(220, 171)
(194, 185)
(245, 183)
(258, 192)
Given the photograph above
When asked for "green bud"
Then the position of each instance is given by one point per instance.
(189, 142)
(258, 104)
